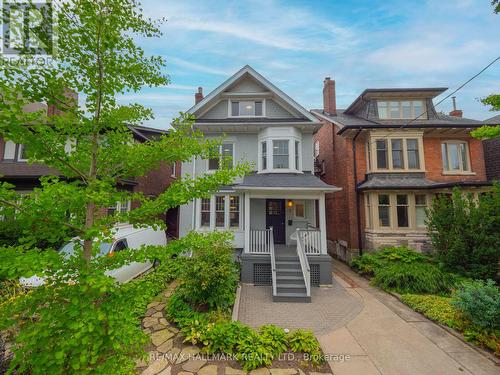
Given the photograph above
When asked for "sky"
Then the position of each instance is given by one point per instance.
(296, 44)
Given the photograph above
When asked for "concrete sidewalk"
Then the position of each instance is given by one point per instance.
(388, 338)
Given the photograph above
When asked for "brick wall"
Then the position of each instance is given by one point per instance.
(492, 158)
(434, 163)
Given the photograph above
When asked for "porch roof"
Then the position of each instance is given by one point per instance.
(289, 181)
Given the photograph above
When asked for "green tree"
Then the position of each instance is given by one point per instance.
(465, 232)
(81, 321)
(489, 132)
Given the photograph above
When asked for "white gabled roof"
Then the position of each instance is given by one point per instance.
(247, 69)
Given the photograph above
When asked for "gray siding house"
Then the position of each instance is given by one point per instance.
(277, 212)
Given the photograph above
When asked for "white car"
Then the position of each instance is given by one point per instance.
(124, 237)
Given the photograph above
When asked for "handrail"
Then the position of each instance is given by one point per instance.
(273, 261)
(259, 241)
(304, 263)
(312, 241)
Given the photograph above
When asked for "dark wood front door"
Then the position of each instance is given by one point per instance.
(275, 217)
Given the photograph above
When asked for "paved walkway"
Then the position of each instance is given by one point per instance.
(387, 338)
(365, 331)
(331, 307)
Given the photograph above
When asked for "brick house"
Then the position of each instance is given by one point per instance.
(492, 152)
(390, 151)
(15, 169)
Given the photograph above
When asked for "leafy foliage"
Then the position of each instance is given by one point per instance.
(479, 302)
(211, 276)
(486, 132)
(437, 308)
(465, 233)
(442, 310)
(369, 263)
(81, 321)
(414, 278)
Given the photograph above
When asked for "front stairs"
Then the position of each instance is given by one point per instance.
(290, 282)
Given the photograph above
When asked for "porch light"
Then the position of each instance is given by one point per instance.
(290, 203)
(248, 107)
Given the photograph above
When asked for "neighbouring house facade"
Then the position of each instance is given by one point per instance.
(277, 212)
(390, 151)
(492, 152)
(15, 169)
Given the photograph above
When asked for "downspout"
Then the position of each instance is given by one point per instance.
(355, 174)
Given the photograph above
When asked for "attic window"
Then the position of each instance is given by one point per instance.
(401, 109)
(246, 108)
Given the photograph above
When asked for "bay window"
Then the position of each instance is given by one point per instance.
(397, 153)
(297, 144)
(382, 154)
(455, 157)
(396, 210)
(263, 150)
(220, 212)
(280, 154)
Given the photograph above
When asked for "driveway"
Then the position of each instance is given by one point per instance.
(389, 338)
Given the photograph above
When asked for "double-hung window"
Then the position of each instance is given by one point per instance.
(280, 154)
(402, 210)
(395, 154)
(263, 149)
(297, 154)
(119, 207)
(420, 210)
(220, 212)
(223, 157)
(384, 210)
(396, 210)
(455, 157)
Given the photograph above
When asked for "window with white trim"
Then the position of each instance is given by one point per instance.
(119, 207)
(281, 156)
(455, 155)
(205, 212)
(401, 109)
(174, 170)
(263, 149)
(247, 108)
(221, 211)
(225, 158)
(297, 155)
(300, 210)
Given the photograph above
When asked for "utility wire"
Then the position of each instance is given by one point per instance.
(458, 89)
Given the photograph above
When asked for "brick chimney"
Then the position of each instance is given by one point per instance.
(329, 102)
(198, 97)
(58, 108)
(456, 112)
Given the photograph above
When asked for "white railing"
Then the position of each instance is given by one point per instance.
(304, 263)
(273, 262)
(311, 239)
(260, 241)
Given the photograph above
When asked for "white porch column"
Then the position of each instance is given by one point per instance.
(246, 207)
(322, 223)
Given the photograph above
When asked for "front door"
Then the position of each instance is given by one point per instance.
(275, 217)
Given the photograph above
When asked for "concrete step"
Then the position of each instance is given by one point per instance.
(287, 265)
(291, 288)
(287, 258)
(288, 272)
(289, 278)
(291, 297)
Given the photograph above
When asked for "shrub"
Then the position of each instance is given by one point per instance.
(479, 302)
(274, 338)
(414, 278)
(369, 263)
(211, 276)
(442, 310)
(465, 233)
(434, 307)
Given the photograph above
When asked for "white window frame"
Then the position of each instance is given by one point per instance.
(20, 148)
(270, 155)
(118, 206)
(461, 170)
(227, 204)
(230, 107)
(371, 151)
(221, 156)
(413, 114)
(295, 204)
(174, 170)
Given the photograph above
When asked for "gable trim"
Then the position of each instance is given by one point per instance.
(262, 80)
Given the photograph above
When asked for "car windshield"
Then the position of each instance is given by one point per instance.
(69, 249)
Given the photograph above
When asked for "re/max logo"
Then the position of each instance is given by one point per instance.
(27, 28)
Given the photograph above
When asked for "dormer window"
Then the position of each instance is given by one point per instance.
(401, 109)
(247, 108)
